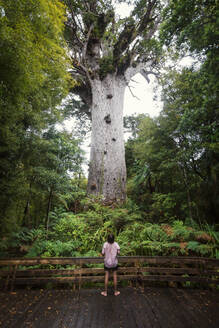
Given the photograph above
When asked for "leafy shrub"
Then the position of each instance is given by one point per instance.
(164, 206)
(83, 234)
(181, 232)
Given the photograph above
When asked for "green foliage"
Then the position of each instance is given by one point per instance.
(46, 179)
(182, 232)
(191, 23)
(197, 121)
(83, 234)
(164, 205)
(4, 246)
(172, 161)
(106, 66)
(192, 97)
(153, 239)
(33, 62)
(34, 80)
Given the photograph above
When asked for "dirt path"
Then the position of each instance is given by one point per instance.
(134, 308)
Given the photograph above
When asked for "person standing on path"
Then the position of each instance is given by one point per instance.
(110, 251)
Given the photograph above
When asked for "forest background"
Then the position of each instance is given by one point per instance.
(172, 205)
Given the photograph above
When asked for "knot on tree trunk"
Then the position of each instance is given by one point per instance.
(107, 119)
(93, 186)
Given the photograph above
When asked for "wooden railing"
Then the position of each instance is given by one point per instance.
(23, 271)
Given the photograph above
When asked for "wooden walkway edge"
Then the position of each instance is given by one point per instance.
(148, 307)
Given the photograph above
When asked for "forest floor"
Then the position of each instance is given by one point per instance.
(134, 307)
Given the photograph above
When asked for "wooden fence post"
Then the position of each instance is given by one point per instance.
(13, 277)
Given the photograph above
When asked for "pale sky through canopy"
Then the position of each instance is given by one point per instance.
(142, 101)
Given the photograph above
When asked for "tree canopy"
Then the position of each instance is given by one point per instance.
(103, 43)
(174, 158)
(34, 79)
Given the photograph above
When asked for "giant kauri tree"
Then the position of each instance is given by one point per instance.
(107, 52)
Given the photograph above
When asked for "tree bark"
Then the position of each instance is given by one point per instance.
(26, 218)
(107, 170)
(188, 192)
(48, 209)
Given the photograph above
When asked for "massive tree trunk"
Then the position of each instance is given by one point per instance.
(106, 52)
(107, 171)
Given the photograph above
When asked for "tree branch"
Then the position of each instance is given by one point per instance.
(151, 32)
(84, 91)
(126, 37)
(77, 24)
(196, 170)
(145, 74)
(130, 34)
(137, 68)
(84, 51)
(132, 92)
(146, 18)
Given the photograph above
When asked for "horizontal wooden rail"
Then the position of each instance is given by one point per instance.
(20, 271)
(122, 259)
(121, 270)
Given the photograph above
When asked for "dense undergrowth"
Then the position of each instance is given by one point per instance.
(83, 234)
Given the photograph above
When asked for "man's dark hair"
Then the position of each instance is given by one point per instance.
(110, 238)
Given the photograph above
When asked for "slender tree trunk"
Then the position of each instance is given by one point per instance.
(107, 171)
(188, 192)
(26, 214)
(151, 188)
(26, 218)
(48, 209)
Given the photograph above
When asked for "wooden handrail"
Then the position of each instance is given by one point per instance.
(122, 259)
(140, 268)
